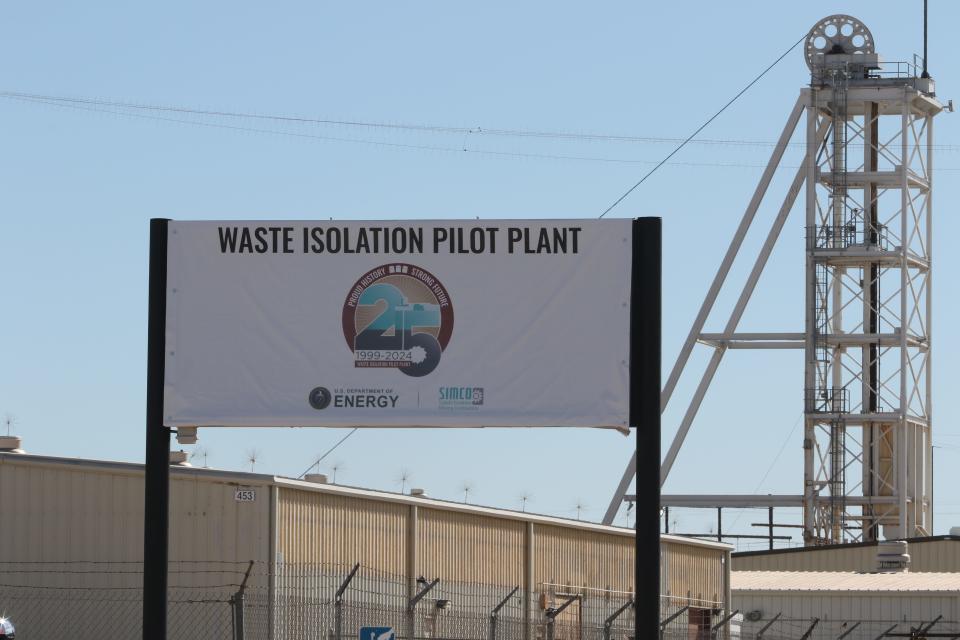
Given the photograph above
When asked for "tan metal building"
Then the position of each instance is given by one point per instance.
(863, 606)
(302, 538)
(931, 554)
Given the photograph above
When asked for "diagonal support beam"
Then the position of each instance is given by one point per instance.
(775, 157)
(737, 313)
(732, 251)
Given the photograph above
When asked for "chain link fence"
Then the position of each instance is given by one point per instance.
(233, 601)
(245, 601)
(107, 613)
(691, 619)
(98, 600)
(781, 628)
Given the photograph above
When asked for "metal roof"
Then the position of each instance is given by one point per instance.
(845, 545)
(242, 477)
(833, 581)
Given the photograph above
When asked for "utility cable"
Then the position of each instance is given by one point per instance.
(224, 114)
(776, 459)
(395, 145)
(116, 108)
(329, 451)
(702, 127)
(423, 128)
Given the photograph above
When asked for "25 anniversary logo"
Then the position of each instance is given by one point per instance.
(398, 316)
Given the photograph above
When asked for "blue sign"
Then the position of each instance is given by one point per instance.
(377, 633)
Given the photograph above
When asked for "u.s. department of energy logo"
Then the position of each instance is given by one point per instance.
(398, 316)
(320, 398)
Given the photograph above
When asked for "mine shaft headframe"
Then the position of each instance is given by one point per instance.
(837, 34)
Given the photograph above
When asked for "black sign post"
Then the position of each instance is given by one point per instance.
(645, 315)
(157, 477)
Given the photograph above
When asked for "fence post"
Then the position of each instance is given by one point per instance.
(924, 629)
(496, 611)
(236, 603)
(884, 634)
(813, 626)
(412, 605)
(238, 613)
(338, 619)
(608, 623)
(664, 623)
(767, 626)
(338, 603)
(849, 631)
(552, 614)
(715, 631)
(233, 617)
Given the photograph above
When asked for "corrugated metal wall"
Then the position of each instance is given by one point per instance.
(470, 548)
(68, 511)
(81, 522)
(479, 555)
(326, 529)
(578, 557)
(928, 556)
(59, 513)
(55, 514)
(691, 573)
(321, 528)
(208, 523)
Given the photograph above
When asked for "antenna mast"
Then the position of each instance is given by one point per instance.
(925, 73)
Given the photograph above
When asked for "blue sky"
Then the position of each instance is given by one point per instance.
(77, 187)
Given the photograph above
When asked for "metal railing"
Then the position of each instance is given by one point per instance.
(829, 400)
(846, 236)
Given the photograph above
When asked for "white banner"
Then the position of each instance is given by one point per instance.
(507, 323)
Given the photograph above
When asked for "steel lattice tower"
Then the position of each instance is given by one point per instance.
(867, 412)
(867, 176)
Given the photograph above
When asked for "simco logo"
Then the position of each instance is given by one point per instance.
(461, 398)
(398, 316)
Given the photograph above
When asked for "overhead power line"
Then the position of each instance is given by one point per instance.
(424, 128)
(156, 113)
(701, 127)
(396, 145)
(140, 106)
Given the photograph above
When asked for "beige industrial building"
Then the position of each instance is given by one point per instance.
(865, 605)
(936, 554)
(854, 591)
(72, 530)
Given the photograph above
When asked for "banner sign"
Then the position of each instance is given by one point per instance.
(448, 323)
